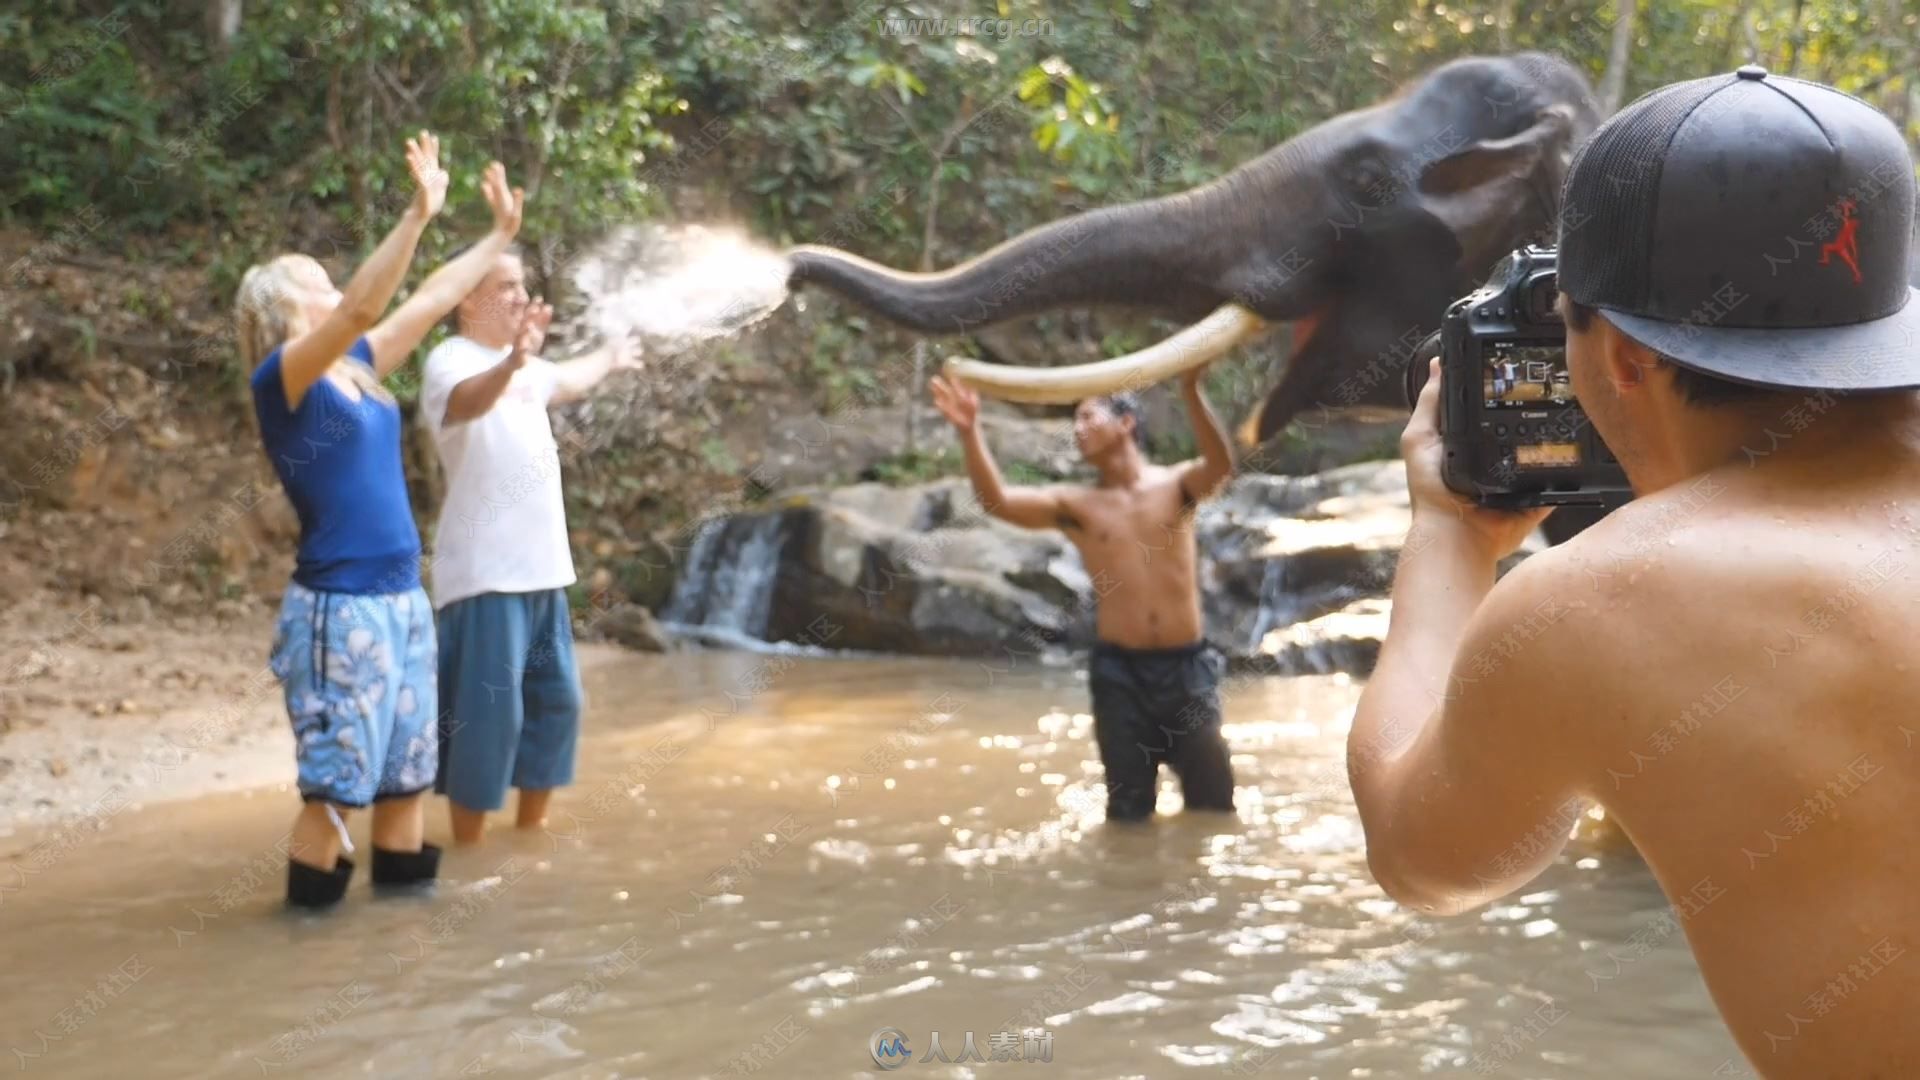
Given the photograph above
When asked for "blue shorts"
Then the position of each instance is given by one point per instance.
(510, 697)
(359, 678)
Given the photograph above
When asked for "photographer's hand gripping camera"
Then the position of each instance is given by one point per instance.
(1514, 435)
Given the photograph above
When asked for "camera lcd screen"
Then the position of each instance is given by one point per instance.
(1547, 454)
(1521, 376)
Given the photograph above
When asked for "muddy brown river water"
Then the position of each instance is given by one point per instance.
(768, 859)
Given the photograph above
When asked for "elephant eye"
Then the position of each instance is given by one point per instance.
(1368, 178)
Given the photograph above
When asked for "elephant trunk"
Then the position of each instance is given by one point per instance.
(1144, 254)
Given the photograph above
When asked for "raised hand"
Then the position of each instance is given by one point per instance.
(628, 355)
(531, 335)
(539, 316)
(957, 402)
(429, 179)
(507, 202)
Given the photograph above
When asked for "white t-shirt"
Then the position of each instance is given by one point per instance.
(503, 526)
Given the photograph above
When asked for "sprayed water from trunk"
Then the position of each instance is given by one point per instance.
(675, 288)
(678, 293)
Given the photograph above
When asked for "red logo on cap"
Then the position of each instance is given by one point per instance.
(1847, 244)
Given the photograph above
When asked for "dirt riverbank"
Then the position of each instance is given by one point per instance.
(98, 714)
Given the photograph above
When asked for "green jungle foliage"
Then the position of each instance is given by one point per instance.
(818, 121)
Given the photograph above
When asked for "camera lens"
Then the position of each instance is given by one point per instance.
(1414, 379)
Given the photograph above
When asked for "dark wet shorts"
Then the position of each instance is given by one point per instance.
(1154, 706)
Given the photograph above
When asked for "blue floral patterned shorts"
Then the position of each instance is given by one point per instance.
(361, 680)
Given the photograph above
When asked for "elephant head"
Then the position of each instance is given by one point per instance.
(1359, 232)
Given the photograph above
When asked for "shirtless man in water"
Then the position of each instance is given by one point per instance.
(1727, 663)
(1153, 677)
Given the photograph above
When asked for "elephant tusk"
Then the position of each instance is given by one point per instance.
(1194, 347)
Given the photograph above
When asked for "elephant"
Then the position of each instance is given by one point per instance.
(1359, 232)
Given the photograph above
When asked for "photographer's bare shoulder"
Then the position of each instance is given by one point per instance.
(1735, 678)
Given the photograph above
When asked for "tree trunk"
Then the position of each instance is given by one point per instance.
(929, 238)
(1899, 88)
(554, 289)
(223, 22)
(548, 122)
(363, 161)
(1735, 21)
(1913, 106)
(1613, 86)
(1144, 87)
(1503, 24)
(1794, 31)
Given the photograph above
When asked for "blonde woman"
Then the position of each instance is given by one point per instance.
(355, 649)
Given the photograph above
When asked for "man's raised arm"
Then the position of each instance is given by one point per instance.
(1031, 508)
(576, 378)
(1467, 782)
(478, 393)
(1204, 478)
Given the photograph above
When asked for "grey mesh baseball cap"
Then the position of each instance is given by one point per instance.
(1753, 227)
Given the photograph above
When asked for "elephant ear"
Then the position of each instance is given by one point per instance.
(1484, 191)
(1492, 160)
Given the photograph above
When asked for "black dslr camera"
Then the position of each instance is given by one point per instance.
(1514, 435)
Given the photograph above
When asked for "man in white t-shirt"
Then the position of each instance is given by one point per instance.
(510, 698)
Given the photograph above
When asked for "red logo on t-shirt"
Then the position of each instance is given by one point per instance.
(1847, 244)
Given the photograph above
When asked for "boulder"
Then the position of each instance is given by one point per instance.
(885, 569)
(634, 627)
(1294, 573)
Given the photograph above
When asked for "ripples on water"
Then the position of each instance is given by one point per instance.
(768, 858)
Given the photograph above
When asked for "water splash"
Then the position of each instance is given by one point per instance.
(678, 287)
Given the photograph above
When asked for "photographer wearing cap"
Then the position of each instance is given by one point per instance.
(1725, 663)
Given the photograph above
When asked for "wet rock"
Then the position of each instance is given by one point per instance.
(1294, 572)
(35, 663)
(1347, 639)
(634, 627)
(897, 570)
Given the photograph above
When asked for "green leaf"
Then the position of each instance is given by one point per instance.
(1035, 85)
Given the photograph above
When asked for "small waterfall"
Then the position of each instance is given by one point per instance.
(725, 590)
(1277, 606)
